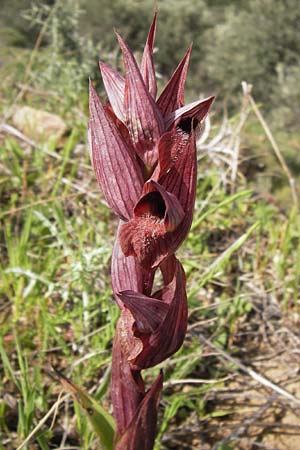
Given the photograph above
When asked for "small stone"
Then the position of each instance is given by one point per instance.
(39, 125)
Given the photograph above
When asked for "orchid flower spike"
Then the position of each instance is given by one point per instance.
(143, 151)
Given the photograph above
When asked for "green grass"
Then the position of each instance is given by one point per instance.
(56, 289)
(54, 278)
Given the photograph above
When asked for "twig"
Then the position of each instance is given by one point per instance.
(32, 58)
(195, 381)
(40, 93)
(9, 129)
(256, 444)
(235, 141)
(251, 373)
(44, 419)
(41, 202)
(69, 448)
(247, 93)
(56, 410)
(85, 358)
(246, 424)
(16, 133)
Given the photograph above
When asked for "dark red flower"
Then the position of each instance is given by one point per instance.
(156, 325)
(139, 140)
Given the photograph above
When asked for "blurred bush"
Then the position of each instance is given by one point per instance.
(14, 29)
(232, 41)
(259, 43)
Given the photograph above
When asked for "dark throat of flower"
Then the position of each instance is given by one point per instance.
(152, 205)
(187, 125)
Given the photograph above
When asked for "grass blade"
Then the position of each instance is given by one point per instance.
(103, 424)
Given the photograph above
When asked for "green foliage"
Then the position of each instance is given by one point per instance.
(54, 279)
(180, 23)
(286, 98)
(102, 423)
(233, 41)
(69, 57)
(257, 43)
(54, 274)
(14, 29)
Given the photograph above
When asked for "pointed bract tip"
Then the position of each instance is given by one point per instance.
(124, 46)
(120, 39)
(92, 89)
(172, 97)
(187, 55)
(210, 100)
(152, 31)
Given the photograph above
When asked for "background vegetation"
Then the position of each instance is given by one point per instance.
(242, 257)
